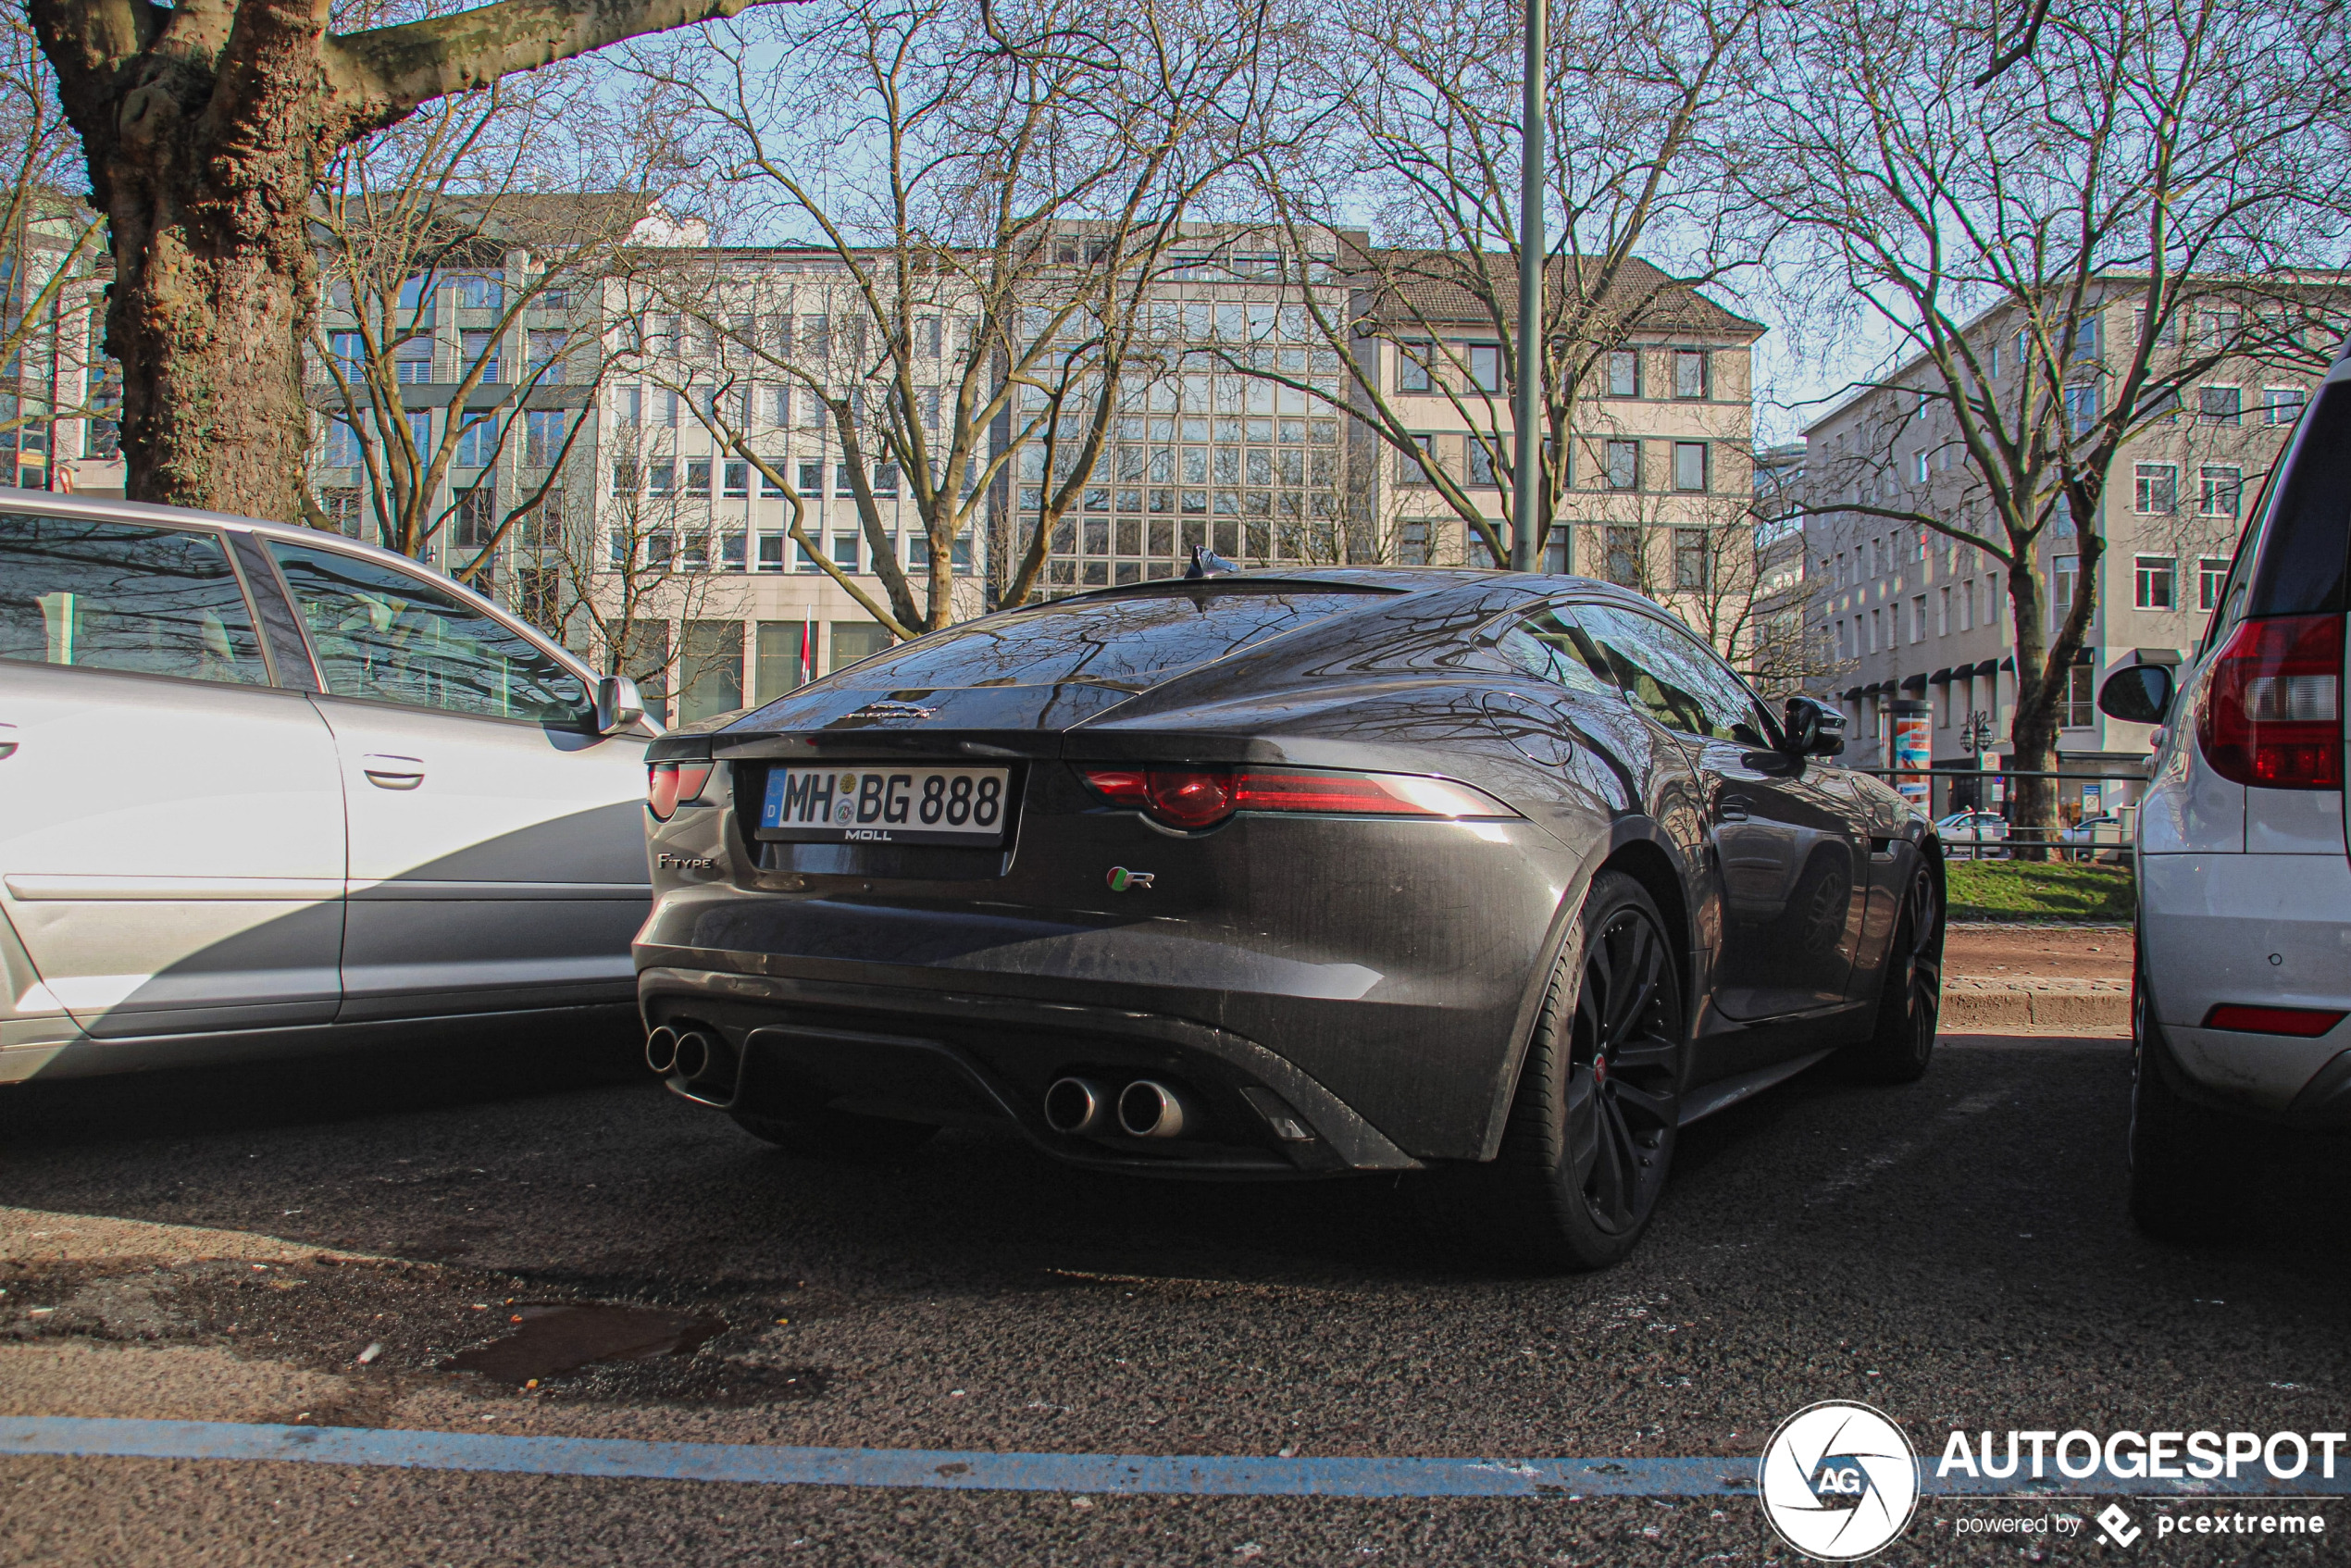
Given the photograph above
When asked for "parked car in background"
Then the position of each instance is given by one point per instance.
(1974, 835)
(263, 790)
(1290, 874)
(2241, 990)
(2102, 837)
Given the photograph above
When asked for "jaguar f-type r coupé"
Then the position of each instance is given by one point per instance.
(1289, 873)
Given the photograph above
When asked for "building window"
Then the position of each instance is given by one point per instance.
(1690, 562)
(1412, 543)
(542, 436)
(342, 444)
(1481, 462)
(412, 361)
(341, 504)
(1918, 617)
(1690, 372)
(2081, 404)
(710, 670)
(477, 517)
(2064, 571)
(698, 475)
(2153, 579)
(2159, 488)
(885, 479)
(1873, 629)
(1624, 373)
(2211, 575)
(1622, 469)
(1689, 464)
(2220, 405)
(737, 477)
(350, 353)
(2078, 710)
(812, 478)
(1412, 362)
(478, 349)
(626, 477)
(660, 478)
(1624, 557)
(1942, 611)
(2282, 405)
(1967, 606)
(1485, 367)
(477, 441)
(2218, 490)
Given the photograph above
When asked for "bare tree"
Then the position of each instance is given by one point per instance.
(610, 581)
(464, 269)
(48, 236)
(1638, 101)
(205, 127)
(993, 189)
(2046, 253)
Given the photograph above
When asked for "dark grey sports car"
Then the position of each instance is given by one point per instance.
(1289, 873)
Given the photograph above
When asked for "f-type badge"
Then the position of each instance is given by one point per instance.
(1122, 880)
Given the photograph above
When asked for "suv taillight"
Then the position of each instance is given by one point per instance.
(669, 785)
(2272, 712)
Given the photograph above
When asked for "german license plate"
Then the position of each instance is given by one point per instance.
(849, 803)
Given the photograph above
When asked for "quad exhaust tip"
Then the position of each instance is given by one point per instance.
(660, 1050)
(1077, 1106)
(1150, 1109)
(694, 1054)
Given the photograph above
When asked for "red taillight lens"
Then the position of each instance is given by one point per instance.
(2305, 1023)
(669, 785)
(2271, 713)
(1201, 797)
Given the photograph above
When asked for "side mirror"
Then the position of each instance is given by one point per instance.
(1814, 728)
(617, 703)
(2137, 694)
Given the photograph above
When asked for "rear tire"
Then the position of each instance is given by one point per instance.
(836, 1135)
(1909, 998)
(2187, 1161)
(1591, 1131)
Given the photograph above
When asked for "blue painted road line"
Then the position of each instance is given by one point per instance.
(1183, 1475)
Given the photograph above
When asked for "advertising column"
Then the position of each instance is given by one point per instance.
(1914, 750)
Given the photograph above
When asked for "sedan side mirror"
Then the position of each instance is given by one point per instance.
(617, 703)
(2137, 694)
(1814, 729)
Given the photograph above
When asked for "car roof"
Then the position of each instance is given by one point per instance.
(1421, 580)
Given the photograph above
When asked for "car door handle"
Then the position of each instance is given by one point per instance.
(1733, 808)
(8, 741)
(387, 772)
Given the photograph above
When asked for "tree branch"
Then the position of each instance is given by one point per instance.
(391, 69)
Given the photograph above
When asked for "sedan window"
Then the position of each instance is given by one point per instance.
(124, 597)
(381, 633)
(1675, 677)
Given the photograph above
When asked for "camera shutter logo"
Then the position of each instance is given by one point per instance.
(1839, 1481)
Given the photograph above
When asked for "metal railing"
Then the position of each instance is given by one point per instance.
(1956, 790)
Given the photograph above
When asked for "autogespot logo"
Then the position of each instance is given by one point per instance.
(1839, 1481)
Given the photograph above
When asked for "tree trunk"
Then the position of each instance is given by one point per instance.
(2032, 801)
(212, 301)
(204, 172)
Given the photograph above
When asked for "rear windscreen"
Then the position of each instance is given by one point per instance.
(2301, 567)
(1128, 641)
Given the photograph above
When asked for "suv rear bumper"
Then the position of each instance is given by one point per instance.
(2268, 929)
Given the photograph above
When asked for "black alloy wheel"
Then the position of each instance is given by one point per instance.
(1591, 1129)
(1623, 1093)
(1910, 989)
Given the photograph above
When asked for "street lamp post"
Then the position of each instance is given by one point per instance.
(1526, 522)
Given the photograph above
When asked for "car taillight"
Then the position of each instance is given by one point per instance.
(2272, 712)
(669, 785)
(1201, 797)
(2307, 1023)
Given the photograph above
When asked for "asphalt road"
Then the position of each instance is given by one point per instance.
(1954, 1253)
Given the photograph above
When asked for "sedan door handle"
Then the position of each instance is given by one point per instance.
(1733, 808)
(387, 772)
(8, 741)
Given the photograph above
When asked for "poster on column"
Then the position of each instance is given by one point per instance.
(1912, 749)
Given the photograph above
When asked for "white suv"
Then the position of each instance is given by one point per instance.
(2242, 983)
